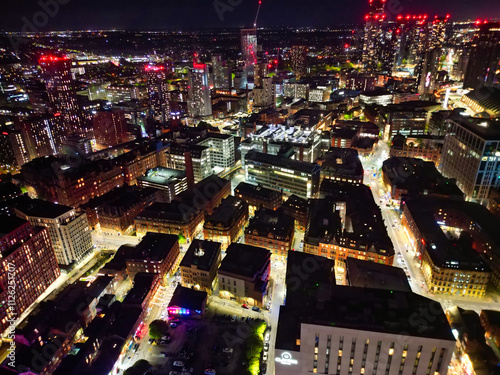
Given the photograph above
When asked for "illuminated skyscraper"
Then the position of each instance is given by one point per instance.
(159, 97)
(62, 95)
(221, 73)
(110, 127)
(249, 49)
(375, 38)
(299, 60)
(199, 99)
(484, 62)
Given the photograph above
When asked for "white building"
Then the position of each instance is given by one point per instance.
(264, 96)
(331, 329)
(221, 148)
(199, 99)
(69, 231)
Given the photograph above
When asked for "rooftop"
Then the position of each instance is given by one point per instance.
(154, 246)
(485, 129)
(282, 162)
(202, 253)
(227, 212)
(257, 191)
(188, 298)
(245, 260)
(276, 223)
(163, 176)
(43, 209)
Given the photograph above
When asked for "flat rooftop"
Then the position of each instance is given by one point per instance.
(163, 176)
(245, 260)
(266, 222)
(365, 274)
(44, 209)
(282, 162)
(229, 210)
(154, 246)
(201, 253)
(257, 191)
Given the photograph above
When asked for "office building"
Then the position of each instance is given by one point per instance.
(170, 182)
(157, 253)
(264, 95)
(332, 329)
(68, 230)
(408, 119)
(199, 99)
(193, 159)
(272, 230)
(298, 63)
(56, 71)
(342, 165)
(471, 156)
(297, 208)
(425, 147)
(221, 148)
(225, 225)
(110, 128)
(200, 264)
(27, 255)
(447, 247)
(244, 274)
(42, 135)
(280, 173)
(258, 196)
(406, 177)
(115, 211)
(484, 59)
(483, 101)
(159, 95)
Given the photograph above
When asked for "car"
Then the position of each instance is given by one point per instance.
(245, 306)
(173, 325)
(264, 356)
(227, 350)
(266, 346)
(178, 364)
(209, 371)
(233, 318)
(165, 338)
(256, 309)
(151, 341)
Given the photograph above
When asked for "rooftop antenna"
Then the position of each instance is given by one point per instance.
(257, 15)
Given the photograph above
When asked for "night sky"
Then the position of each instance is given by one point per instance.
(188, 14)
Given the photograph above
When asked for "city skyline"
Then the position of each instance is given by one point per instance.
(130, 15)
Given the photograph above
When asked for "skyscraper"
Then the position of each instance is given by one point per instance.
(299, 60)
(374, 35)
(484, 61)
(159, 97)
(199, 99)
(62, 95)
(249, 49)
(221, 73)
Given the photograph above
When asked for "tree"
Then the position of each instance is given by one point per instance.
(157, 329)
(139, 368)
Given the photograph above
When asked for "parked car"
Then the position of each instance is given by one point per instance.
(227, 350)
(209, 371)
(255, 308)
(173, 325)
(245, 306)
(178, 364)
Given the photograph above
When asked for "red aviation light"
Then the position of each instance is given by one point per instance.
(408, 17)
(367, 17)
(447, 16)
(400, 17)
(425, 16)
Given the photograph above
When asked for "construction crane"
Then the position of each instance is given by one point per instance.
(257, 15)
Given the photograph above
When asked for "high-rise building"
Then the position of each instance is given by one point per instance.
(249, 50)
(221, 147)
(471, 156)
(110, 127)
(159, 97)
(68, 230)
(61, 91)
(484, 61)
(43, 135)
(199, 99)
(264, 95)
(27, 268)
(374, 35)
(221, 73)
(299, 60)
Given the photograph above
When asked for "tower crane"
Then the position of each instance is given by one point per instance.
(257, 15)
